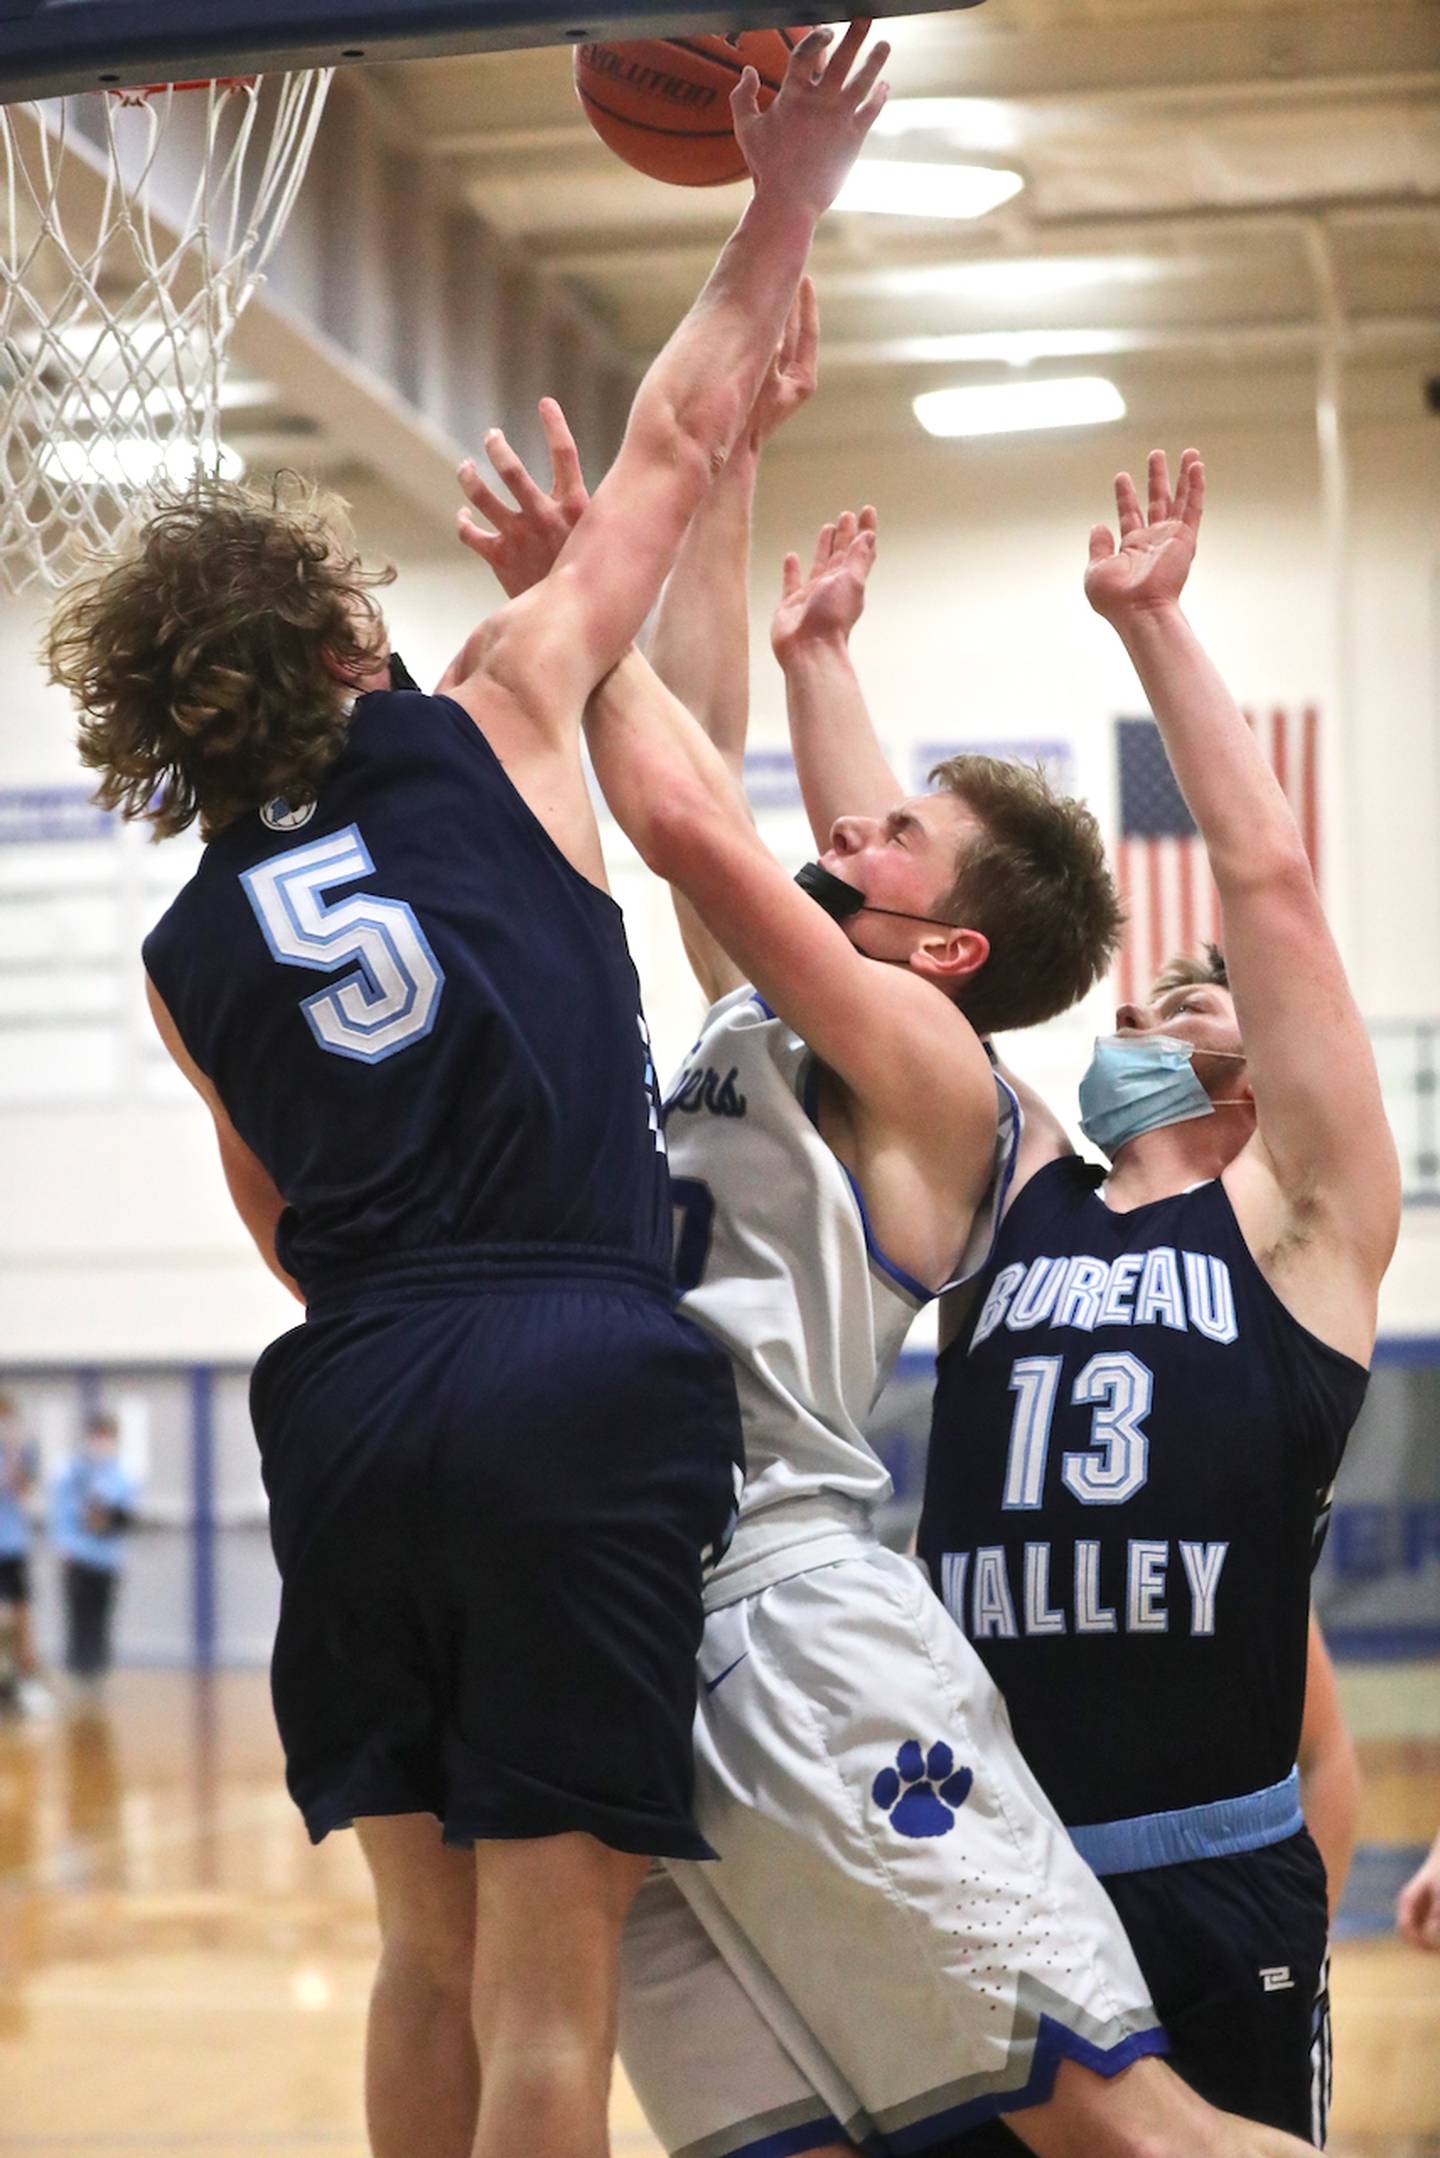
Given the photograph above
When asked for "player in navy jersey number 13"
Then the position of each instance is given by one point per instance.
(1142, 1407)
(495, 1455)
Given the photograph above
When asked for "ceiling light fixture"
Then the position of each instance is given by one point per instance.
(970, 123)
(1029, 277)
(895, 187)
(1016, 348)
(136, 461)
(1007, 408)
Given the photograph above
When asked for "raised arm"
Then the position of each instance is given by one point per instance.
(551, 647)
(933, 1104)
(701, 645)
(1321, 1174)
(841, 766)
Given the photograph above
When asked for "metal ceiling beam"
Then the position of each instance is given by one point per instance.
(1184, 50)
(1240, 340)
(615, 254)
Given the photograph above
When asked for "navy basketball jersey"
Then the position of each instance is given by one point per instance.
(419, 1015)
(1130, 1464)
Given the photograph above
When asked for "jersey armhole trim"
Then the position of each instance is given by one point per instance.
(548, 841)
(810, 1102)
(1000, 1185)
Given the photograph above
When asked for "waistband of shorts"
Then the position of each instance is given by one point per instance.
(1221, 1829)
(793, 1538)
(438, 1270)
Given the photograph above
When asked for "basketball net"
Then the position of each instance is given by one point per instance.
(136, 225)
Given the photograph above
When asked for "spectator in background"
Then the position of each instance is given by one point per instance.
(94, 1502)
(20, 1682)
(1418, 1911)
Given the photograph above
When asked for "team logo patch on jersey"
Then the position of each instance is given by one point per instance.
(280, 817)
(921, 1792)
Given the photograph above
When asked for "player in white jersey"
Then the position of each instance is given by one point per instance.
(896, 1900)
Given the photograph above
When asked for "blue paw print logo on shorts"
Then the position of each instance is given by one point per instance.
(927, 1786)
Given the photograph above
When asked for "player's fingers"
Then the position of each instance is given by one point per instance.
(865, 81)
(481, 497)
(745, 97)
(1193, 473)
(1102, 543)
(805, 63)
(1127, 505)
(565, 473)
(869, 521)
(511, 468)
(1158, 475)
(823, 549)
(861, 555)
(846, 527)
(790, 576)
(485, 544)
(789, 338)
(807, 331)
(845, 53)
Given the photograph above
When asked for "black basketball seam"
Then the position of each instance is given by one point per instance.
(648, 127)
(736, 67)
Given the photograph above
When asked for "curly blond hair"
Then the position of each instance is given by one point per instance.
(197, 652)
(1037, 883)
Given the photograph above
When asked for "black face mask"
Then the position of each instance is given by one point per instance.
(400, 675)
(840, 900)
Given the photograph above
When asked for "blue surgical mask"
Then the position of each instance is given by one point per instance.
(1138, 1082)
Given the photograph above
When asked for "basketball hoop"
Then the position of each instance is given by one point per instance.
(136, 225)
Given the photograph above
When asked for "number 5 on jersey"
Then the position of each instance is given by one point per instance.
(391, 996)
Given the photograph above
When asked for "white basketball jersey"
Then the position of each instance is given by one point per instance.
(775, 1256)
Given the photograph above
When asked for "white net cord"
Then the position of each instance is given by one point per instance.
(136, 226)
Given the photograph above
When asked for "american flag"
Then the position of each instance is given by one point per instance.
(1159, 859)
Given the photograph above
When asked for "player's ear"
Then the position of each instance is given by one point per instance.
(950, 957)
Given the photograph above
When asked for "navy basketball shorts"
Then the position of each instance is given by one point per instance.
(1235, 1951)
(490, 1503)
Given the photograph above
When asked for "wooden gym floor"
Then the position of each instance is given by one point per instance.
(181, 1974)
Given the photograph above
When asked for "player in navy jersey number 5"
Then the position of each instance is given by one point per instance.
(496, 1458)
(1142, 1406)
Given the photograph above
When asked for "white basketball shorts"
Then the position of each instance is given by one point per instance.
(899, 1940)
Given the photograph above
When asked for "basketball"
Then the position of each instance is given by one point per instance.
(663, 104)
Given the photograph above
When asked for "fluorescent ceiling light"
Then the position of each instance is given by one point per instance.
(1016, 348)
(1007, 408)
(899, 188)
(1026, 278)
(134, 461)
(970, 123)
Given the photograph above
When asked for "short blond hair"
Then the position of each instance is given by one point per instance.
(1191, 970)
(1037, 884)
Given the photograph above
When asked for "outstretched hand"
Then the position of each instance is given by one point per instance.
(828, 602)
(1149, 567)
(530, 532)
(792, 375)
(801, 147)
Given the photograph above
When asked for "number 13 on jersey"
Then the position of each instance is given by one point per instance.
(1120, 1390)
